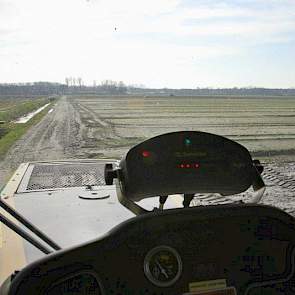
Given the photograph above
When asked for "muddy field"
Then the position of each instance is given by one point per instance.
(110, 125)
(93, 127)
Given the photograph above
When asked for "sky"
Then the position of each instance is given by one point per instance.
(157, 43)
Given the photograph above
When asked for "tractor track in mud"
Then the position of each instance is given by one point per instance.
(91, 119)
(274, 177)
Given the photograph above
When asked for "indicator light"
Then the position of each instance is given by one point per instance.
(189, 165)
(146, 154)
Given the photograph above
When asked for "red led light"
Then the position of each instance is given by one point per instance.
(188, 166)
(146, 154)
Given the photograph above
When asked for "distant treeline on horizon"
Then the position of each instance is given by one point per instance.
(48, 88)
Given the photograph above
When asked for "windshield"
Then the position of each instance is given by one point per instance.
(89, 79)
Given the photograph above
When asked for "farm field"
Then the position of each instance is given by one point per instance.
(106, 127)
(266, 126)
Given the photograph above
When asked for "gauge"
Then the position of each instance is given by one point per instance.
(162, 266)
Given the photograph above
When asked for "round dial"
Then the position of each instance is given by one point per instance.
(162, 266)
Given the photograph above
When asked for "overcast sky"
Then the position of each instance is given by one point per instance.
(158, 43)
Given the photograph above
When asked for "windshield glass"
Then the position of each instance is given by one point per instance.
(89, 79)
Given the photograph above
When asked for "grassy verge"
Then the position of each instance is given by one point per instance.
(10, 112)
(15, 131)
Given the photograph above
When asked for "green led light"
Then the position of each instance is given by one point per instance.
(187, 141)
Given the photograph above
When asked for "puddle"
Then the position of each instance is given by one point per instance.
(27, 117)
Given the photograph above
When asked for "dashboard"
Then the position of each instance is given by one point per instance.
(186, 162)
(242, 249)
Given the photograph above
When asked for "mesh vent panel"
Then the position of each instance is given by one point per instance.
(49, 176)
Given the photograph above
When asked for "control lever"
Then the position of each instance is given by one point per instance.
(162, 201)
(258, 166)
(187, 198)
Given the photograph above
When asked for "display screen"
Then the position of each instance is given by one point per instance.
(186, 162)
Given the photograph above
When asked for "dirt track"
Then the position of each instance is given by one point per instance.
(56, 136)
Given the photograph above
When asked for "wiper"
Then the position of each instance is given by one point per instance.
(17, 229)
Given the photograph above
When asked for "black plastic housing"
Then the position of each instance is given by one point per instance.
(159, 166)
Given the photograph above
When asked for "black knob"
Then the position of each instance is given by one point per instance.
(109, 174)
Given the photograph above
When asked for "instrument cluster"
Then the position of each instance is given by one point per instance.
(242, 249)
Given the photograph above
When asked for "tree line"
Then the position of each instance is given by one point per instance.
(71, 86)
(110, 87)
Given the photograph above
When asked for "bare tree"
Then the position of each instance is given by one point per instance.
(70, 81)
(121, 84)
(79, 80)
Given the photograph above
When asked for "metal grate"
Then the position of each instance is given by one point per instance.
(49, 176)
